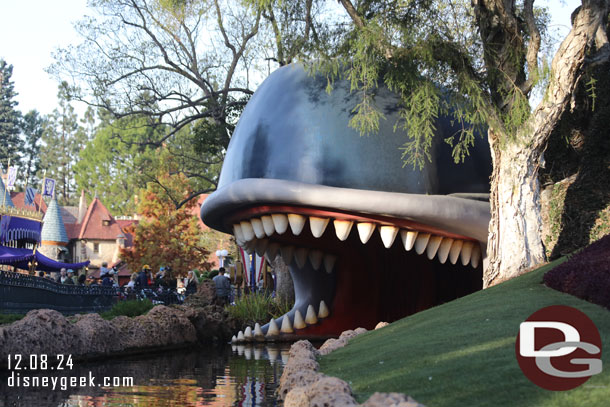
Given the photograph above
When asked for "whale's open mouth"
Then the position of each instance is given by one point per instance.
(365, 238)
(354, 267)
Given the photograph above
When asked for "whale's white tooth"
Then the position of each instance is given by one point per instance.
(455, 251)
(318, 225)
(476, 256)
(388, 234)
(323, 311)
(285, 356)
(280, 221)
(239, 242)
(246, 229)
(238, 233)
(329, 262)
(268, 225)
(466, 252)
(287, 253)
(443, 251)
(234, 339)
(248, 353)
(297, 222)
(342, 228)
(272, 329)
(240, 336)
(421, 242)
(310, 316)
(240, 350)
(300, 255)
(365, 230)
(272, 251)
(257, 225)
(286, 325)
(433, 245)
(315, 258)
(408, 238)
(258, 332)
(248, 333)
(257, 354)
(261, 246)
(273, 354)
(298, 320)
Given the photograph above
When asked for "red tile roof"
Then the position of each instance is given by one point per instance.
(93, 228)
(18, 200)
(73, 230)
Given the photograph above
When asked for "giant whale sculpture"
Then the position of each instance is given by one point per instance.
(366, 240)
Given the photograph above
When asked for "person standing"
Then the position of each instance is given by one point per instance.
(142, 281)
(69, 278)
(190, 282)
(62, 276)
(223, 287)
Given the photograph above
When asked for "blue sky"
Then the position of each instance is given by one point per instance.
(30, 30)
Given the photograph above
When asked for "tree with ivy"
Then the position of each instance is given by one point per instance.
(478, 61)
(10, 144)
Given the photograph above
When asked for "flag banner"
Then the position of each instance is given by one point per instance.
(30, 195)
(48, 187)
(4, 224)
(11, 177)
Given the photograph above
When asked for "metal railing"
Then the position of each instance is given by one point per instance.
(21, 293)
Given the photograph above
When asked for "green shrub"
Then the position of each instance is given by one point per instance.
(205, 275)
(130, 308)
(10, 318)
(257, 307)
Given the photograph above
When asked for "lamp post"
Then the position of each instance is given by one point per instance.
(221, 256)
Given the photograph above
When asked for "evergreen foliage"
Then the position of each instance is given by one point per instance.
(112, 163)
(62, 140)
(32, 128)
(10, 143)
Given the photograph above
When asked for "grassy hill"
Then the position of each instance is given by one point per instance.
(463, 353)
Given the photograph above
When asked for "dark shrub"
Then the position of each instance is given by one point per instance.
(585, 275)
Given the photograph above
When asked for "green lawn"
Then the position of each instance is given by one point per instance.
(463, 353)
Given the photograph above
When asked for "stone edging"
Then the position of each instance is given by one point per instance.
(301, 385)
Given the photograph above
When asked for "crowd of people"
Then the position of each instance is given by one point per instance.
(160, 282)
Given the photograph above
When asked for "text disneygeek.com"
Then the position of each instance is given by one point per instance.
(20, 367)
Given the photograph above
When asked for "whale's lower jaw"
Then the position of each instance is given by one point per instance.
(353, 268)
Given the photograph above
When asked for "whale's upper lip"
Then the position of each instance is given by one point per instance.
(459, 214)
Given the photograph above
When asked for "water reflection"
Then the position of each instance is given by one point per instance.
(215, 376)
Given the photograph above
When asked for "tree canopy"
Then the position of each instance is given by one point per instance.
(192, 65)
(166, 236)
(9, 116)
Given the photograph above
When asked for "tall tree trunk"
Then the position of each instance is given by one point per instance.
(515, 242)
(515, 229)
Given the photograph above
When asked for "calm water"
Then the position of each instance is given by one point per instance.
(214, 376)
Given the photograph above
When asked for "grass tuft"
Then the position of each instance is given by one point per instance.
(10, 318)
(257, 307)
(130, 308)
